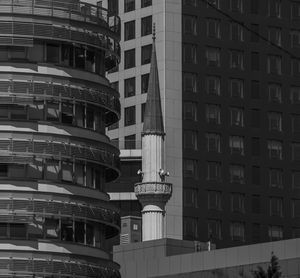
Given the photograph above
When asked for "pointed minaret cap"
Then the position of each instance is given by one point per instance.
(153, 118)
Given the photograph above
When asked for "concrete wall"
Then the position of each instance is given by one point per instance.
(150, 259)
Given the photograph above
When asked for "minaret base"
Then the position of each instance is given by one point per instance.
(153, 222)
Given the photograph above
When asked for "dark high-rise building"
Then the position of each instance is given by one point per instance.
(55, 216)
(229, 73)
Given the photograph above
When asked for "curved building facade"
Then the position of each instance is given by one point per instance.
(55, 103)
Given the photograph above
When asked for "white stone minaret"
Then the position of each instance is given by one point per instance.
(153, 192)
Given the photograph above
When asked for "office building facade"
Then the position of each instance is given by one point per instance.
(55, 157)
(229, 76)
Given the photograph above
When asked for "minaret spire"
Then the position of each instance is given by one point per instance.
(153, 118)
(153, 192)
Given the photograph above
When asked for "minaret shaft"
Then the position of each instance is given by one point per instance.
(152, 157)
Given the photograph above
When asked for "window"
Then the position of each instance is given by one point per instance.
(236, 144)
(276, 206)
(255, 61)
(146, 54)
(143, 108)
(275, 233)
(254, 37)
(52, 54)
(256, 175)
(3, 170)
(129, 5)
(274, 8)
(296, 179)
(296, 208)
(255, 145)
(146, 25)
(237, 202)
(213, 171)
(237, 173)
(256, 230)
(236, 5)
(213, 56)
(129, 87)
(236, 32)
(296, 123)
(237, 231)
(213, 28)
(214, 200)
(295, 38)
(295, 10)
(275, 178)
(190, 82)
(190, 168)
(113, 7)
(296, 151)
(144, 83)
(274, 64)
(236, 116)
(190, 53)
(213, 113)
(213, 85)
(255, 89)
(255, 118)
(237, 88)
(274, 92)
(129, 30)
(190, 228)
(255, 204)
(190, 25)
(129, 142)
(295, 68)
(190, 111)
(295, 95)
(275, 121)
(214, 229)
(190, 139)
(17, 53)
(274, 35)
(190, 197)
(275, 149)
(213, 143)
(129, 57)
(67, 113)
(17, 230)
(129, 115)
(296, 232)
(146, 3)
(236, 59)
(254, 6)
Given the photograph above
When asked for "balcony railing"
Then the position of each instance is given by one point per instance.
(73, 10)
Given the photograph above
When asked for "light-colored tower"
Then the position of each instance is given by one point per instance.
(153, 192)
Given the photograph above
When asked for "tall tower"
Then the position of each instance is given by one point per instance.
(55, 216)
(153, 192)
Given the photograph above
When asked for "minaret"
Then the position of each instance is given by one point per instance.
(153, 192)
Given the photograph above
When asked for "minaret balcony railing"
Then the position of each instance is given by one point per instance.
(153, 188)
